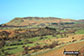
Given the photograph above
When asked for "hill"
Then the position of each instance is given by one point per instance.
(25, 21)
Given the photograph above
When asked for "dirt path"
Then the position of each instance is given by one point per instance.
(59, 52)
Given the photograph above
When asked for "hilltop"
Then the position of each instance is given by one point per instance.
(25, 21)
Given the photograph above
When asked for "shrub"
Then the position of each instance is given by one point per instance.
(55, 43)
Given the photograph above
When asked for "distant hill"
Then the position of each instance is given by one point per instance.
(80, 21)
(25, 21)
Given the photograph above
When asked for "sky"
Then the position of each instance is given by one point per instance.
(9, 9)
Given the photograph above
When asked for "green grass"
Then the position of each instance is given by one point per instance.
(79, 22)
(44, 38)
(34, 39)
(13, 51)
(19, 49)
(81, 31)
(58, 36)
